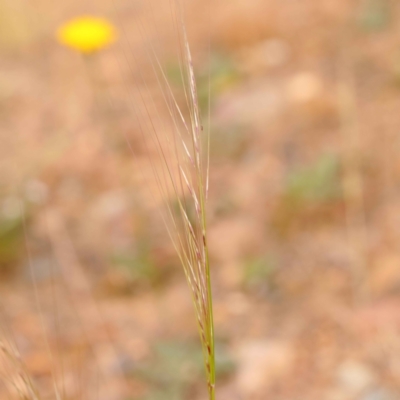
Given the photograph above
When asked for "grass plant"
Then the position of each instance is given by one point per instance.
(190, 239)
(178, 156)
(184, 157)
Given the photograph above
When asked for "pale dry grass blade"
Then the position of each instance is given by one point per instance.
(353, 180)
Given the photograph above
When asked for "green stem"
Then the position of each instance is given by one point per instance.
(211, 340)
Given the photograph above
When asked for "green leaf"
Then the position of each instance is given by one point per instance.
(374, 15)
(317, 183)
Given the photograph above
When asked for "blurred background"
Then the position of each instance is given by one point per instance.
(304, 212)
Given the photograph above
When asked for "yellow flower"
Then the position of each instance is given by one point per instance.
(87, 34)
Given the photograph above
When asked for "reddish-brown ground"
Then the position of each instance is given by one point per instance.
(304, 210)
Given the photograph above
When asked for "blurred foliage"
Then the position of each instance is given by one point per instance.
(309, 195)
(374, 14)
(187, 204)
(11, 243)
(228, 143)
(140, 268)
(225, 206)
(176, 367)
(140, 265)
(396, 71)
(258, 274)
(148, 261)
(317, 183)
(220, 74)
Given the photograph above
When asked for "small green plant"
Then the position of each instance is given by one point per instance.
(374, 15)
(141, 264)
(11, 241)
(175, 368)
(220, 74)
(140, 267)
(229, 143)
(317, 183)
(310, 192)
(258, 273)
